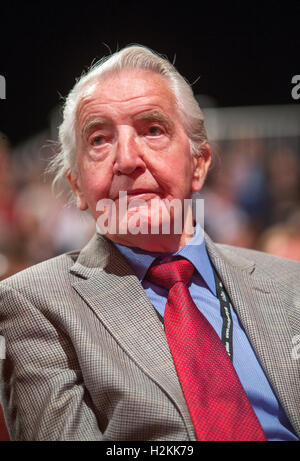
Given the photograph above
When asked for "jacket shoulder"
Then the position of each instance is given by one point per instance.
(42, 275)
(266, 264)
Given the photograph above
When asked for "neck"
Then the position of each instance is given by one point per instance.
(162, 243)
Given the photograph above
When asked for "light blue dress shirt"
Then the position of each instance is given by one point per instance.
(203, 290)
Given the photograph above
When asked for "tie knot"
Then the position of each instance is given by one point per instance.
(168, 273)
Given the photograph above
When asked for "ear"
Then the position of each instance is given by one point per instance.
(75, 186)
(201, 166)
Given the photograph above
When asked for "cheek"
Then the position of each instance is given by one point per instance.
(95, 182)
(176, 168)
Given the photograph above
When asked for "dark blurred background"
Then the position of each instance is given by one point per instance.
(239, 56)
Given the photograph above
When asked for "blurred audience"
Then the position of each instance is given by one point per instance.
(34, 223)
(256, 186)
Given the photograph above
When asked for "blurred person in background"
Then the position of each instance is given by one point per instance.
(225, 220)
(7, 226)
(156, 336)
(235, 193)
(246, 159)
(282, 239)
(11, 253)
(283, 185)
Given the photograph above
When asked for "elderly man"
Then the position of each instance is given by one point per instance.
(151, 332)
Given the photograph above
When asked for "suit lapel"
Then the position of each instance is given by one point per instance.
(111, 289)
(262, 308)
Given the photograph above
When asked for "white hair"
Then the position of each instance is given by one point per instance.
(137, 57)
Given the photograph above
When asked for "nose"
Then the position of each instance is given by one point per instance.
(129, 156)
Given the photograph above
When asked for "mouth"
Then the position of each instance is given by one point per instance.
(142, 194)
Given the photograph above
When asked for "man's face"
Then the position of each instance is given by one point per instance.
(130, 138)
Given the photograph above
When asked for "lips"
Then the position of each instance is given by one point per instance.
(145, 194)
(141, 195)
(140, 192)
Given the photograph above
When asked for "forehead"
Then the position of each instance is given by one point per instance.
(127, 92)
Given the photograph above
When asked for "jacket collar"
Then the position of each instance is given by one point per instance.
(99, 251)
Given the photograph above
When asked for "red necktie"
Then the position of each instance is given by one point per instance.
(217, 402)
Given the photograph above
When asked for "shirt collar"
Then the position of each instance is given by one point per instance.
(195, 251)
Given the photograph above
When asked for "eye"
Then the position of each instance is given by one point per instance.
(98, 141)
(155, 131)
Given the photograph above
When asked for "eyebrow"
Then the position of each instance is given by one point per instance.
(155, 116)
(149, 115)
(93, 123)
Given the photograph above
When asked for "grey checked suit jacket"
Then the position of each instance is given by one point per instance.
(87, 357)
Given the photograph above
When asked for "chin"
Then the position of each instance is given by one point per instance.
(149, 242)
